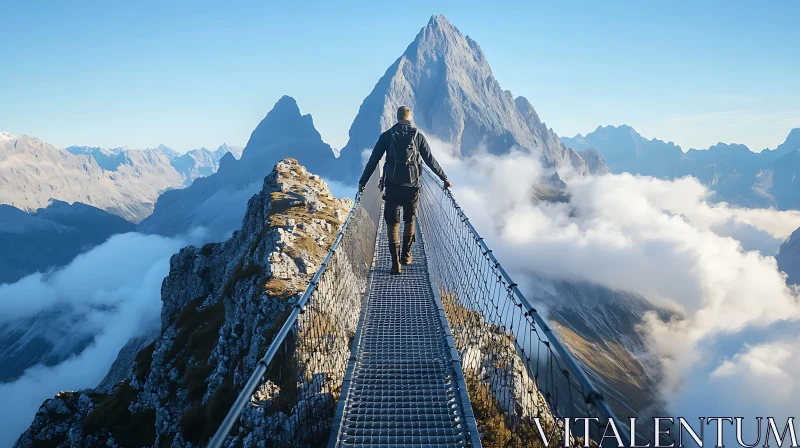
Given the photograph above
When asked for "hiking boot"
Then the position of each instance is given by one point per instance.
(393, 231)
(394, 250)
(408, 241)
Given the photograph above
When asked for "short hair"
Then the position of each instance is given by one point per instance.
(403, 113)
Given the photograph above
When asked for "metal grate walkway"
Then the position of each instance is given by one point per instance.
(404, 385)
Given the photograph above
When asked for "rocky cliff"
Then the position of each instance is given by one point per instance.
(222, 305)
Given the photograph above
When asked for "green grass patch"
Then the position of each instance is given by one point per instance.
(144, 359)
(198, 333)
(200, 421)
(112, 416)
(279, 289)
(208, 249)
(52, 442)
(239, 273)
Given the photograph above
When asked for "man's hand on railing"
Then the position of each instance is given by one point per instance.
(447, 183)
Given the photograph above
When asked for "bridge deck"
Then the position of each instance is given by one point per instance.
(404, 385)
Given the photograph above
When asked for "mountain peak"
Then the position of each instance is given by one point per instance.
(446, 80)
(794, 136)
(611, 127)
(283, 123)
(286, 105)
(440, 39)
(5, 136)
(791, 143)
(169, 152)
(236, 151)
(439, 20)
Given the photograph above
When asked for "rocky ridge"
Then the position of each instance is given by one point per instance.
(222, 304)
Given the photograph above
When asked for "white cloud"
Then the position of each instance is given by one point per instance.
(759, 380)
(341, 190)
(113, 292)
(661, 239)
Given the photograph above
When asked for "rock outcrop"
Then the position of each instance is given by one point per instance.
(222, 305)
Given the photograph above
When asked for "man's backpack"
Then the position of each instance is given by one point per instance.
(402, 161)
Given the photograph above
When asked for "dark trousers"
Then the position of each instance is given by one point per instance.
(397, 196)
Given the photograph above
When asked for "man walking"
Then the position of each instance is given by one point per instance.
(405, 149)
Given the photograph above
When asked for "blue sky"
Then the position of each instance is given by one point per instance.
(191, 74)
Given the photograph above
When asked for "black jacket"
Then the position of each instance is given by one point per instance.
(403, 133)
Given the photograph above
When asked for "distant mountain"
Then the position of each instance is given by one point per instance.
(789, 145)
(218, 202)
(51, 236)
(121, 181)
(47, 239)
(121, 368)
(191, 165)
(788, 258)
(445, 79)
(736, 174)
(44, 339)
(202, 162)
(602, 329)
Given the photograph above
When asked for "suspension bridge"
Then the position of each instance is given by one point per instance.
(448, 354)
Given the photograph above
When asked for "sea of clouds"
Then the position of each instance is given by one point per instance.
(734, 352)
(111, 293)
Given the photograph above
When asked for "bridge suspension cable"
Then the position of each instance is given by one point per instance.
(515, 368)
(514, 364)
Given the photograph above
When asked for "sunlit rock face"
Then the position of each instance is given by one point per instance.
(222, 304)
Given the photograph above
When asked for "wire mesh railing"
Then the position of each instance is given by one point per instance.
(522, 380)
(291, 396)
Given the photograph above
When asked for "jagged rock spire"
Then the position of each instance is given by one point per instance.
(284, 123)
